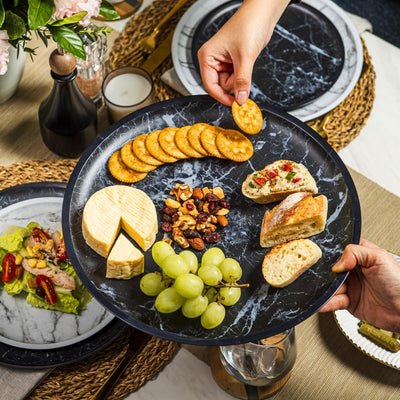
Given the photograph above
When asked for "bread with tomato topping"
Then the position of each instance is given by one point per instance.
(277, 181)
(298, 216)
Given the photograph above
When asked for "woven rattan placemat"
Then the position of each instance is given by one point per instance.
(340, 126)
(81, 380)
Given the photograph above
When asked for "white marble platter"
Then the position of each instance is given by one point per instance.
(348, 324)
(27, 327)
(182, 56)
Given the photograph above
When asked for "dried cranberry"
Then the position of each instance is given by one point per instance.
(212, 198)
(214, 208)
(169, 210)
(166, 226)
(202, 217)
(189, 206)
(211, 237)
(224, 204)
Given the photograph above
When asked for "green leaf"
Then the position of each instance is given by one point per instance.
(68, 40)
(108, 11)
(2, 13)
(14, 25)
(40, 13)
(73, 19)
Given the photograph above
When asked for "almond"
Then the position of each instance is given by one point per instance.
(196, 243)
(222, 220)
(197, 194)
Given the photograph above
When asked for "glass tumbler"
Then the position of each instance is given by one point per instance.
(264, 363)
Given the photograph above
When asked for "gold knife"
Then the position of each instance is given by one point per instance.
(159, 54)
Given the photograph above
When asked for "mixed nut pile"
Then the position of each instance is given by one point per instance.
(194, 215)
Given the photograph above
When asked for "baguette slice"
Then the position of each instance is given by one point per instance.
(286, 262)
(299, 216)
(278, 180)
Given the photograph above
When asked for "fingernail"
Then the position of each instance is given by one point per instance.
(338, 267)
(242, 97)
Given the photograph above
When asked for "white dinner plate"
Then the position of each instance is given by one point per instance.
(348, 324)
(25, 326)
(183, 60)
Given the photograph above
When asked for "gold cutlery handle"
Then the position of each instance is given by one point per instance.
(173, 10)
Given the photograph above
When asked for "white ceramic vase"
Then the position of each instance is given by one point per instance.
(10, 80)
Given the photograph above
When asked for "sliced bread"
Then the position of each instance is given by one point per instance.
(286, 262)
(298, 216)
(278, 180)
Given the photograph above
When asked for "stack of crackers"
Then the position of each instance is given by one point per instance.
(147, 151)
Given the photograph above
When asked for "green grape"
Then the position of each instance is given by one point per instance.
(212, 316)
(211, 294)
(189, 285)
(160, 251)
(230, 295)
(174, 265)
(213, 256)
(210, 274)
(230, 269)
(152, 284)
(193, 308)
(190, 259)
(169, 301)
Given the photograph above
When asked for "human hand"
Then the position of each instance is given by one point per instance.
(371, 291)
(226, 60)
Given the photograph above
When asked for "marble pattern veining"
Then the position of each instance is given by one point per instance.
(262, 310)
(22, 325)
(184, 61)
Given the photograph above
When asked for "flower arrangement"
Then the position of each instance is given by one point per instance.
(64, 21)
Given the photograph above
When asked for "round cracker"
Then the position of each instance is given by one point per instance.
(154, 148)
(131, 161)
(182, 142)
(166, 138)
(194, 138)
(234, 145)
(248, 116)
(207, 138)
(121, 172)
(140, 150)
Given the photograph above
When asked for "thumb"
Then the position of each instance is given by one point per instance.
(242, 80)
(356, 255)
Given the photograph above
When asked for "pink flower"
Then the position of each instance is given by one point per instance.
(67, 8)
(4, 57)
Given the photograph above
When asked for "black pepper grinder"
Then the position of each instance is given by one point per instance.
(68, 120)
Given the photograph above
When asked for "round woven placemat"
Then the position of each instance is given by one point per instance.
(339, 127)
(81, 380)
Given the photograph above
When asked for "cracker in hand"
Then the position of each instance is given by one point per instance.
(248, 116)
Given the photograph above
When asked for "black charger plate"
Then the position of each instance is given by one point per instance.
(302, 61)
(262, 310)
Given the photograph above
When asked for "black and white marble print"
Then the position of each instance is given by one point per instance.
(262, 310)
(330, 91)
(22, 325)
(302, 60)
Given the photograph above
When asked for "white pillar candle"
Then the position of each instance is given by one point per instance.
(126, 90)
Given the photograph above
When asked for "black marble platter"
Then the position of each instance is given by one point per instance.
(28, 358)
(302, 61)
(262, 310)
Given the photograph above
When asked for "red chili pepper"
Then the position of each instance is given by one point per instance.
(8, 272)
(287, 166)
(272, 174)
(61, 251)
(49, 293)
(295, 180)
(260, 181)
(40, 235)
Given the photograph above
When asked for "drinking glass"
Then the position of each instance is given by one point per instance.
(267, 362)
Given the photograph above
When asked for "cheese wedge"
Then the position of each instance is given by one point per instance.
(125, 260)
(115, 207)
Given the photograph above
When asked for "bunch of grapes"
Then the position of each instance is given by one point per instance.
(198, 290)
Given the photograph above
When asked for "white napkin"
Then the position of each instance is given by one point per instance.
(16, 383)
(171, 78)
